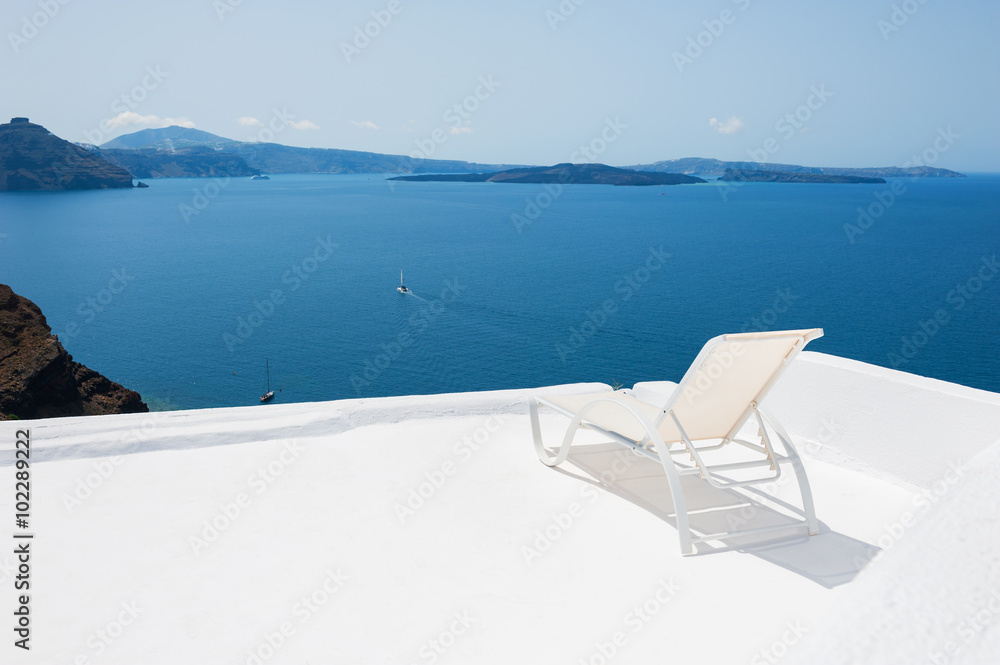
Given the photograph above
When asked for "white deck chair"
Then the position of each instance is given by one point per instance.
(715, 399)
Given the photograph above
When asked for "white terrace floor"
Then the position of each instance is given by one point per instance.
(424, 530)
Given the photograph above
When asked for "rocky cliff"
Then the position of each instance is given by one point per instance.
(38, 378)
(31, 159)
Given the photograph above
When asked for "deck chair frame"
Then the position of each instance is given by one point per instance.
(653, 446)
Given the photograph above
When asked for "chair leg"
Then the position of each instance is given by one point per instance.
(800, 473)
(536, 435)
(676, 494)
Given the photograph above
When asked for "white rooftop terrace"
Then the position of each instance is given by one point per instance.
(425, 530)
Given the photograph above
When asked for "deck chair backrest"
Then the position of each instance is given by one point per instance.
(715, 397)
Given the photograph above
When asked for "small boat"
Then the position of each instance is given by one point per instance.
(260, 177)
(401, 288)
(270, 393)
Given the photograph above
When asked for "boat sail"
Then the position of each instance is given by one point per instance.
(270, 393)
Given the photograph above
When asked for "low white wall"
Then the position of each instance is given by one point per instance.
(896, 425)
(888, 423)
(901, 425)
(120, 434)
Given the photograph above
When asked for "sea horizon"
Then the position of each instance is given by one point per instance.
(512, 286)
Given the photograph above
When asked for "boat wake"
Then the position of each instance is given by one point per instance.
(411, 293)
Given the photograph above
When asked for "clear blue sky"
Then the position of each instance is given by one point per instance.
(888, 90)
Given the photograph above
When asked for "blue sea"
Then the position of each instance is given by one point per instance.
(182, 291)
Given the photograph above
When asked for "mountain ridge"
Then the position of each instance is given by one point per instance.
(262, 157)
(704, 166)
(763, 175)
(279, 158)
(167, 138)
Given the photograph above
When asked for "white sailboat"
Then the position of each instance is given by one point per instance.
(270, 393)
(402, 289)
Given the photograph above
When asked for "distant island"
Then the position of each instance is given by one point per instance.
(184, 152)
(567, 174)
(757, 175)
(714, 168)
(33, 159)
(167, 152)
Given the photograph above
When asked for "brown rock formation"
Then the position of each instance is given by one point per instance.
(32, 159)
(38, 378)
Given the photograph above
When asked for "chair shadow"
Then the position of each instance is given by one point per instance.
(828, 558)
